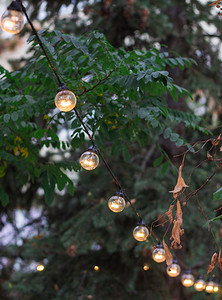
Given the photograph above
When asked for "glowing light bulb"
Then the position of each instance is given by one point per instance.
(158, 254)
(96, 268)
(174, 269)
(65, 100)
(12, 20)
(117, 203)
(187, 279)
(40, 268)
(140, 233)
(210, 286)
(146, 267)
(89, 160)
(216, 287)
(200, 284)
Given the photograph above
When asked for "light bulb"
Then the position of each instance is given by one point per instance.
(174, 269)
(158, 254)
(12, 20)
(65, 100)
(89, 160)
(96, 268)
(200, 284)
(210, 286)
(187, 279)
(40, 268)
(216, 287)
(146, 267)
(140, 233)
(117, 203)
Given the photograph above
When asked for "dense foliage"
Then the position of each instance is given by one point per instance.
(138, 117)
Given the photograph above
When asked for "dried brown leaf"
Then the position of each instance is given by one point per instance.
(169, 213)
(181, 232)
(180, 183)
(216, 141)
(209, 156)
(219, 262)
(168, 255)
(176, 232)
(174, 246)
(212, 263)
(179, 213)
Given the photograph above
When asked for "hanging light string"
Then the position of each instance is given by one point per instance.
(78, 116)
(40, 42)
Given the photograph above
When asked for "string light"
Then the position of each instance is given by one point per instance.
(174, 269)
(187, 279)
(12, 20)
(65, 100)
(89, 160)
(200, 284)
(117, 203)
(146, 267)
(158, 254)
(140, 232)
(40, 268)
(210, 285)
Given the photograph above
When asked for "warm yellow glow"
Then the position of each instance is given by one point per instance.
(200, 285)
(187, 282)
(12, 21)
(210, 287)
(158, 255)
(116, 203)
(216, 287)
(173, 270)
(96, 268)
(187, 279)
(140, 233)
(65, 100)
(89, 160)
(40, 268)
(146, 267)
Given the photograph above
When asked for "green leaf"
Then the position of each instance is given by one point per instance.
(179, 142)
(6, 118)
(71, 188)
(3, 197)
(164, 167)
(48, 184)
(167, 133)
(217, 196)
(126, 154)
(158, 161)
(174, 137)
(14, 116)
(214, 219)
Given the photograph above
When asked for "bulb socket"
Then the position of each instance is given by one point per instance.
(15, 5)
(175, 261)
(141, 223)
(159, 245)
(93, 148)
(188, 271)
(62, 87)
(119, 193)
